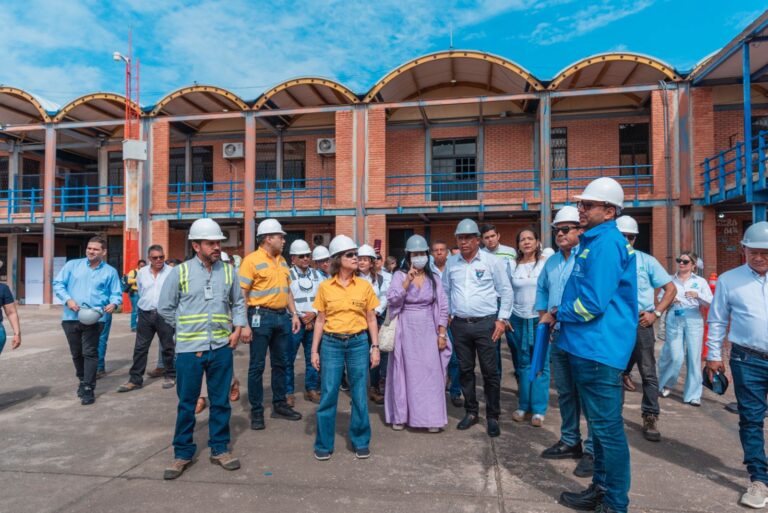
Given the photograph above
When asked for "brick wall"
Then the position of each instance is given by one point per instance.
(160, 234)
(703, 134)
(377, 158)
(729, 232)
(344, 149)
(160, 145)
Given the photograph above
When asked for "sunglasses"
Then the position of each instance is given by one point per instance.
(589, 205)
(351, 254)
(302, 256)
(564, 229)
(378, 258)
(630, 237)
(161, 257)
(682, 261)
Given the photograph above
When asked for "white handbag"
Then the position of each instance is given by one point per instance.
(387, 334)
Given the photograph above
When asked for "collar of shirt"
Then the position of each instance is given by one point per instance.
(335, 281)
(598, 230)
(301, 274)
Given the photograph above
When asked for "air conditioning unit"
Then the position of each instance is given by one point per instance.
(326, 146)
(233, 151)
(321, 239)
(233, 238)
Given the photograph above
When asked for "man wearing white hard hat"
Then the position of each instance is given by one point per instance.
(741, 301)
(598, 322)
(201, 300)
(304, 283)
(549, 291)
(650, 277)
(272, 321)
(87, 283)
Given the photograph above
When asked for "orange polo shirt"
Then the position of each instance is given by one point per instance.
(345, 308)
(266, 279)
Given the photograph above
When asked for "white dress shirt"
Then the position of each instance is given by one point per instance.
(150, 285)
(472, 287)
(696, 284)
(741, 298)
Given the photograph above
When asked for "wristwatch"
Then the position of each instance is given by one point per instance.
(657, 314)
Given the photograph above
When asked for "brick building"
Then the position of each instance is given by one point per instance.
(445, 136)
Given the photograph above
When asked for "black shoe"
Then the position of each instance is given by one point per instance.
(586, 466)
(283, 411)
(493, 428)
(586, 500)
(562, 451)
(650, 429)
(257, 422)
(80, 389)
(469, 420)
(457, 401)
(602, 508)
(88, 396)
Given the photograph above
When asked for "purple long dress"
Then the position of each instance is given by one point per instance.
(415, 389)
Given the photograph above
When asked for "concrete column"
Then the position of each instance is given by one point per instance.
(545, 168)
(188, 160)
(102, 164)
(14, 165)
(12, 263)
(249, 182)
(359, 152)
(48, 231)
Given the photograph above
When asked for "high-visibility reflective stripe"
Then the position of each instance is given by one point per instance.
(194, 316)
(184, 277)
(304, 299)
(193, 321)
(283, 264)
(227, 274)
(268, 292)
(221, 333)
(584, 253)
(579, 308)
(261, 266)
(630, 249)
(286, 289)
(246, 281)
(194, 339)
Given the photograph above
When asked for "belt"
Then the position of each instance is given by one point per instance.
(152, 312)
(752, 352)
(278, 311)
(342, 336)
(473, 320)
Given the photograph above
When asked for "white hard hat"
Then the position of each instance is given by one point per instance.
(567, 214)
(224, 256)
(366, 251)
(467, 227)
(299, 247)
(627, 224)
(756, 236)
(340, 244)
(205, 229)
(416, 243)
(88, 315)
(547, 252)
(237, 260)
(604, 189)
(269, 227)
(320, 253)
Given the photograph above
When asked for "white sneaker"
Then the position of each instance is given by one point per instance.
(756, 495)
(537, 420)
(434, 430)
(518, 415)
(398, 427)
(665, 392)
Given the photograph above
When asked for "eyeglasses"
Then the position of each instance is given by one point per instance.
(351, 254)
(630, 236)
(589, 205)
(564, 229)
(161, 257)
(302, 256)
(682, 261)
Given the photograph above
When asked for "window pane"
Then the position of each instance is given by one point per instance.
(115, 175)
(442, 148)
(202, 167)
(559, 152)
(4, 173)
(266, 165)
(634, 147)
(454, 169)
(294, 169)
(465, 147)
(176, 167)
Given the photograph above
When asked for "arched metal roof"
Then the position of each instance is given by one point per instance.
(19, 107)
(198, 99)
(95, 106)
(306, 92)
(453, 68)
(613, 69)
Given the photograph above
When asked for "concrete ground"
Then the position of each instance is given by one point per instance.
(58, 456)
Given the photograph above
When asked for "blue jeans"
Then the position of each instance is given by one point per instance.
(508, 335)
(134, 297)
(600, 388)
(190, 367)
(533, 395)
(335, 354)
(685, 335)
(750, 381)
(453, 372)
(568, 400)
(3, 337)
(103, 339)
(274, 333)
(311, 377)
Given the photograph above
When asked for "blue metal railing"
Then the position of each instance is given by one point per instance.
(725, 174)
(463, 186)
(87, 199)
(293, 193)
(635, 179)
(22, 201)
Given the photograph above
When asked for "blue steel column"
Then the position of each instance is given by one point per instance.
(759, 212)
(545, 167)
(747, 86)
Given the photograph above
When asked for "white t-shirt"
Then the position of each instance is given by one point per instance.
(524, 278)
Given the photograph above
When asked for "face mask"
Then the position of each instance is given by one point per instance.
(419, 262)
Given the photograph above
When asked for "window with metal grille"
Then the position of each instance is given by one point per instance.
(176, 178)
(4, 174)
(294, 165)
(454, 169)
(115, 174)
(266, 166)
(634, 149)
(202, 169)
(559, 152)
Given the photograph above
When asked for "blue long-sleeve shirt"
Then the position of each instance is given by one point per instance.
(552, 280)
(598, 312)
(96, 287)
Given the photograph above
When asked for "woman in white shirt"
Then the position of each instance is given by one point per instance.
(524, 273)
(685, 331)
(366, 264)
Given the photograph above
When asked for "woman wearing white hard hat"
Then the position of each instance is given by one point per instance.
(416, 376)
(346, 317)
(322, 260)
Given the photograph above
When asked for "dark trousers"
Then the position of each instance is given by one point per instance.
(273, 333)
(380, 371)
(216, 365)
(470, 339)
(84, 346)
(643, 355)
(149, 324)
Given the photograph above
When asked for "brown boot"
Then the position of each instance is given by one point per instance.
(375, 396)
(312, 396)
(176, 469)
(157, 372)
(290, 399)
(227, 461)
(650, 431)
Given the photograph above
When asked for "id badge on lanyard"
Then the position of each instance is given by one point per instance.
(208, 292)
(256, 320)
